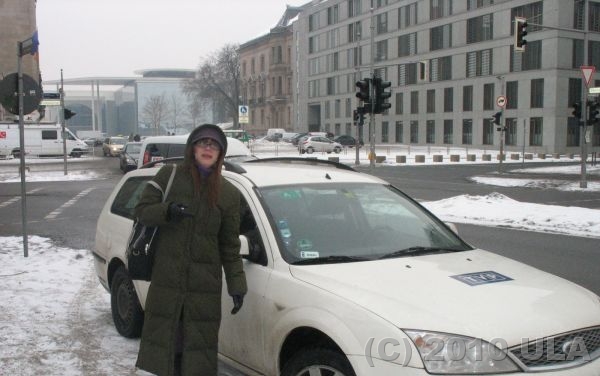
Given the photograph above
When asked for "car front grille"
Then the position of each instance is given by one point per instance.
(561, 351)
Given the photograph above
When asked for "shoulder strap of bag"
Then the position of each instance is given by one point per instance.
(157, 186)
(169, 183)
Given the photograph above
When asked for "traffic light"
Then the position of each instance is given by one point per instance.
(496, 117)
(593, 119)
(364, 94)
(381, 95)
(576, 110)
(520, 33)
(68, 114)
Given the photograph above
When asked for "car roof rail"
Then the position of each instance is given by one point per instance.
(305, 161)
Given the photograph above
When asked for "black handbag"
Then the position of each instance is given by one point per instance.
(140, 246)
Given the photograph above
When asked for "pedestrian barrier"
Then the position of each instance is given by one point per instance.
(454, 158)
(486, 157)
(401, 159)
(438, 158)
(419, 158)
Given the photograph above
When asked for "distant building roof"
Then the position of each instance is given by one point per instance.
(123, 81)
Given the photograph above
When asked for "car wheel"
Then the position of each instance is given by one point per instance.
(76, 154)
(318, 361)
(310, 150)
(127, 312)
(337, 149)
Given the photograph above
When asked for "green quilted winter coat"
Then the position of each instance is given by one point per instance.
(187, 274)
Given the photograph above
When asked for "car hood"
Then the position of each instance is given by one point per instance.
(432, 293)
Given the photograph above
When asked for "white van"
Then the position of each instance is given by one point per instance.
(43, 139)
(272, 131)
(160, 147)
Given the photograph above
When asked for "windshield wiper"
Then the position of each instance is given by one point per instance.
(330, 259)
(418, 250)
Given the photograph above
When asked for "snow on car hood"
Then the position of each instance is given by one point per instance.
(435, 292)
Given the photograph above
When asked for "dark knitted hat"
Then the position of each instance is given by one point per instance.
(209, 131)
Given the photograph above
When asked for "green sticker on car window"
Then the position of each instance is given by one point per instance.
(290, 195)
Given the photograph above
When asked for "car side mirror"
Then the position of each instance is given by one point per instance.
(244, 246)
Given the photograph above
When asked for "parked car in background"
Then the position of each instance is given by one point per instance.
(347, 140)
(318, 144)
(347, 275)
(155, 148)
(92, 141)
(129, 156)
(112, 146)
(294, 140)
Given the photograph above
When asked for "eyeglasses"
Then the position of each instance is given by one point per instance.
(207, 143)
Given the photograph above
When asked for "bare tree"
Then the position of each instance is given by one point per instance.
(178, 112)
(218, 79)
(155, 111)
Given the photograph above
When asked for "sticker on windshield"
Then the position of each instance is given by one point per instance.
(481, 278)
(290, 195)
(309, 254)
(304, 244)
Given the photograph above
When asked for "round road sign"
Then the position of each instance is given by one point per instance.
(501, 101)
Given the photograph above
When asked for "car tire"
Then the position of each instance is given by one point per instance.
(127, 312)
(310, 150)
(337, 150)
(318, 361)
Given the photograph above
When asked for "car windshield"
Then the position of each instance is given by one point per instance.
(134, 149)
(353, 222)
(118, 141)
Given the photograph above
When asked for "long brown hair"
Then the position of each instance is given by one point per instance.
(212, 181)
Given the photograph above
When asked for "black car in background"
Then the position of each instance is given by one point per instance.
(347, 140)
(129, 156)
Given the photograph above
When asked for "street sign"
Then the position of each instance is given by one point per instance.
(9, 97)
(594, 90)
(243, 115)
(588, 73)
(501, 101)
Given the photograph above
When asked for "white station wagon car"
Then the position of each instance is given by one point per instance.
(349, 276)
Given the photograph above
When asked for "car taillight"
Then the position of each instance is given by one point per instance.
(146, 157)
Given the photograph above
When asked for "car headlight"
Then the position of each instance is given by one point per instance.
(444, 353)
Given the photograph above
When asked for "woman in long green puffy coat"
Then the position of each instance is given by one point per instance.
(198, 239)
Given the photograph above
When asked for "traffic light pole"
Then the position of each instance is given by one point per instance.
(20, 53)
(372, 94)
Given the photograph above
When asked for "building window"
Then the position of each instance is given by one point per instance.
(407, 74)
(468, 98)
(313, 22)
(479, 63)
(467, 132)
(353, 8)
(577, 55)
(489, 99)
(399, 132)
(332, 14)
(399, 103)
(430, 132)
(440, 37)
(448, 131)
(594, 53)
(475, 4)
(382, 23)
(488, 132)
(510, 135)
(574, 95)
(407, 44)
(431, 101)
(407, 16)
(327, 106)
(381, 50)
(385, 132)
(348, 106)
(529, 60)
(535, 131)
(448, 99)
(338, 108)
(512, 95)
(331, 86)
(537, 93)
(480, 28)
(381, 3)
(533, 11)
(414, 132)
(439, 9)
(414, 102)
(354, 31)
(440, 69)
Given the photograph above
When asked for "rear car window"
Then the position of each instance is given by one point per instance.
(128, 196)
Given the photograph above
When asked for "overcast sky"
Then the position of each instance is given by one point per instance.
(117, 37)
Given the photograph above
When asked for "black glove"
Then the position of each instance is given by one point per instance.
(238, 300)
(177, 212)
